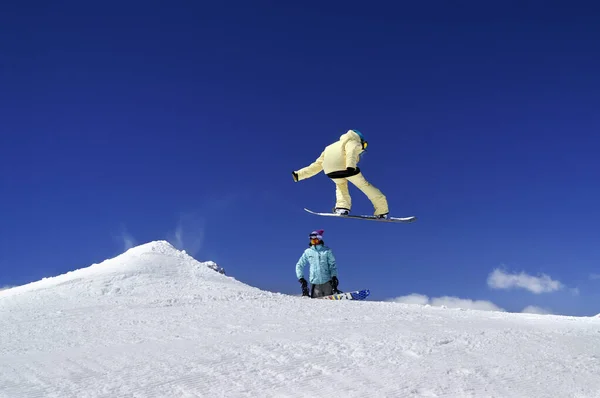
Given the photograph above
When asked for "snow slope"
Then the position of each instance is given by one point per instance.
(154, 322)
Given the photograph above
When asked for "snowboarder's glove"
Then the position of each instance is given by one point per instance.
(295, 175)
(334, 284)
(304, 286)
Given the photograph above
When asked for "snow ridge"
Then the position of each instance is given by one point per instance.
(150, 271)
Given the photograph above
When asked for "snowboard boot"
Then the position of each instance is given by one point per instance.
(341, 211)
(382, 216)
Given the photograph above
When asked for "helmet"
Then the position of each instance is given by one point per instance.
(316, 236)
(362, 139)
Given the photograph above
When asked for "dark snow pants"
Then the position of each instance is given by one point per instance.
(324, 289)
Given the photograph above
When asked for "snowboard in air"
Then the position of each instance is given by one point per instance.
(360, 217)
(356, 295)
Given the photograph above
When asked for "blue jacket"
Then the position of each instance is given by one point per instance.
(322, 264)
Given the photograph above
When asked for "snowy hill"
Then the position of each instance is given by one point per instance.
(154, 322)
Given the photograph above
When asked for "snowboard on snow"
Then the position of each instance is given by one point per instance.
(360, 217)
(356, 295)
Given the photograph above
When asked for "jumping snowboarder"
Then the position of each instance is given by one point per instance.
(322, 268)
(339, 161)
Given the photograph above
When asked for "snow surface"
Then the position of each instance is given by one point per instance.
(154, 322)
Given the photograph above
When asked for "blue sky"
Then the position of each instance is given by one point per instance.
(123, 123)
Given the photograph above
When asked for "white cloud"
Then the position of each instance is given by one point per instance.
(412, 299)
(499, 279)
(448, 302)
(532, 309)
(455, 302)
(594, 276)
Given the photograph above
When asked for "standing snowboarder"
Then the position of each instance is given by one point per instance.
(339, 161)
(323, 269)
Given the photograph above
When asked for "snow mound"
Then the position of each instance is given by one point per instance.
(152, 271)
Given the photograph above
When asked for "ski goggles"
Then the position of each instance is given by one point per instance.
(315, 237)
(364, 144)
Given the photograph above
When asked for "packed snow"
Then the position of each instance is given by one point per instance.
(154, 322)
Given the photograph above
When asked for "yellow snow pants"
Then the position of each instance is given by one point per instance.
(342, 195)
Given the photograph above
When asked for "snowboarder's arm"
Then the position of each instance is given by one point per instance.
(300, 266)
(332, 263)
(353, 149)
(312, 169)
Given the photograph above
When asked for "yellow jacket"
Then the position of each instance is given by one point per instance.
(336, 158)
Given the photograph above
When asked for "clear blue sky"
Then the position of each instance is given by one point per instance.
(126, 122)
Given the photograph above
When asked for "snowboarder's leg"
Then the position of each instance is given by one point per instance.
(377, 198)
(321, 290)
(342, 195)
